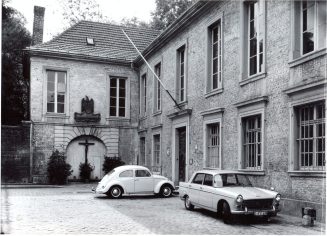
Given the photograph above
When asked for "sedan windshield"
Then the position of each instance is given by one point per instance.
(235, 180)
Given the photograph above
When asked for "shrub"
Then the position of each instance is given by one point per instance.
(85, 170)
(111, 163)
(58, 169)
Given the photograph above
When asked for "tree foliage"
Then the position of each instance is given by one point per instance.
(77, 10)
(58, 170)
(134, 22)
(167, 11)
(15, 86)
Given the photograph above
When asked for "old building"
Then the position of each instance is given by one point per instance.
(249, 78)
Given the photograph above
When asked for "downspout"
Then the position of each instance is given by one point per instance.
(31, 152)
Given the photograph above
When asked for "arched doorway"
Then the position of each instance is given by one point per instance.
(95, 155)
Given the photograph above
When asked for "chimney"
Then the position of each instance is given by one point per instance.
(38, 25)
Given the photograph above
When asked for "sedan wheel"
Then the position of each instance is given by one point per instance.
(115, 192)
(166, 191)
(188, 204)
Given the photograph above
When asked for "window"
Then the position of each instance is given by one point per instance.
(126, 173)
(142, 173)
(117, 97)
(157, 95)
(208, 180)
(90, 41)
(215, 80)
(56, 91)
(198, 179)
(156, 150)
(252, 142)
(213, 143)
(143, 94)
(313, 25)
(181, 78)
(141, 160)
(311, 136)
(253, 31)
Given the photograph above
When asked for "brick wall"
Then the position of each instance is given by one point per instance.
(279, 76)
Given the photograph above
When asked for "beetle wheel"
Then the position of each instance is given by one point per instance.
(166, 191)
(226, 214)
(116, 192)
(188, 205)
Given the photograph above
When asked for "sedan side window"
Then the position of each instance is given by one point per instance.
(207, 180)
(198, 179)
(126, 173)
(142, 173)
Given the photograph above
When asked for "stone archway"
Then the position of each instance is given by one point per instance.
(76, 155)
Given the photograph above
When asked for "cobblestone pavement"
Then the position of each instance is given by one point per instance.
(74, 209)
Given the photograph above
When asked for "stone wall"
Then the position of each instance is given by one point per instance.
(279, 76)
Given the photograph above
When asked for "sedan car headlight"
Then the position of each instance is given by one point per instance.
(239, 199)
(278, 197)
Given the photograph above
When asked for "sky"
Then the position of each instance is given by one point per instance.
(115, 10)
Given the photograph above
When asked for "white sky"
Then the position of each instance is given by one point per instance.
(115, 10)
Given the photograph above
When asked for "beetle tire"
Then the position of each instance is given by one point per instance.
(115, 192)
(166, 191)
(188, 205)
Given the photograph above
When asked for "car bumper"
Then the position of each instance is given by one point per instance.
(257, 212)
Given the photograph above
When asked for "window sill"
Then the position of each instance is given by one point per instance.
(252, 172)
(213, 92)
(301, 173)
(157, 113)
(56, 115)
(253, 78)
(117, 118)
(307, 57)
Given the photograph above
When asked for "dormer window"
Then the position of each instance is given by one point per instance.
(90, 41)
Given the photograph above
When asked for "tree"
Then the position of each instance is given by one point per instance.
(14, 85)
(77, 10)
(134, 22)
(167, 11)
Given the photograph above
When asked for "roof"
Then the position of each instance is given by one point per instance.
(110, 42)
(128, 167)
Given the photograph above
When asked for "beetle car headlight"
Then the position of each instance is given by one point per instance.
(278, 197)
(239, 199)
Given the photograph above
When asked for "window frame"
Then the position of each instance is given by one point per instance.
(245, 76)
(157, 89)
(181, 49)
(316, 25)
(140, 152)
(297, 137)
(204, 179)
(154, 162)
(143, 94)
(142, 176)
(196, 176)
(217, 22)
(55, 70)
(126, 176)
(117, 97)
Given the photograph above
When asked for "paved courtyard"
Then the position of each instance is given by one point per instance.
(74, 209)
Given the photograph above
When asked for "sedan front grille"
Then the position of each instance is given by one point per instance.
(258, 204)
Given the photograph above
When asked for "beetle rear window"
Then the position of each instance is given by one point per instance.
(126, 173)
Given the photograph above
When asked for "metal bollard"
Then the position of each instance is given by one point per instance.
(308, 216)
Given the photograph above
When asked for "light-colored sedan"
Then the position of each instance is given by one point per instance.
(228, 193)
(134, 179)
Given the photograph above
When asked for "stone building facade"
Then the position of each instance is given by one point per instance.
(250, 82)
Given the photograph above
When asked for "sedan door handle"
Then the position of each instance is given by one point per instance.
(136, 179)
(201, 188)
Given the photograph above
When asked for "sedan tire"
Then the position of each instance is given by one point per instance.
(116, 192)
(188, 205)
(226, 214)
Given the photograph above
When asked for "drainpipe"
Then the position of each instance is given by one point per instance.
(31, 152)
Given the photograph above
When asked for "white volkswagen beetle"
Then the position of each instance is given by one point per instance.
(134, 179)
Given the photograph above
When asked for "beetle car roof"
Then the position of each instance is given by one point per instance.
(128, 167)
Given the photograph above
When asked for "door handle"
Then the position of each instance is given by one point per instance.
(136, 179)
(190, 185)
(201, 188)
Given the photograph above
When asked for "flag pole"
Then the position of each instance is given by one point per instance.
(151, 70)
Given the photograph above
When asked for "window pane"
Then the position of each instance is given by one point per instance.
(113, 83)
(113, 92)
(322, 11)
(253, 65)
(112, 111)
(50, 107)
(253, 47)
(51, 76)
(215, 50)
(61, 98)
(198, 179)
(113, 102)
(51, 86)
(215, 81)
(122, 112)
(61, 87)
(61, 77)
(215, 66)
(60, 108)
(50, 97)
